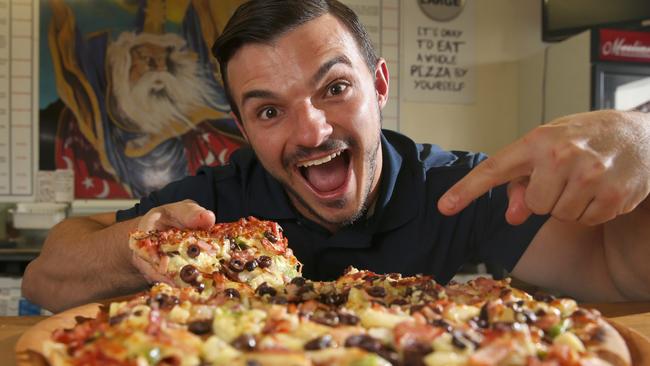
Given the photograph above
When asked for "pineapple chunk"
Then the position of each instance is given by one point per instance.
(571, 340)
(371, 318)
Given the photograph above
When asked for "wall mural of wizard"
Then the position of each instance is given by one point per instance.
(136, 108)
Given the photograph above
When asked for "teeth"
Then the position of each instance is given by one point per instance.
(320, 161)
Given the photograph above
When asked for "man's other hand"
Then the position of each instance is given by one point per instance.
(587, 168)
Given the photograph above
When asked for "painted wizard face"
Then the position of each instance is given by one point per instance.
(155, 81)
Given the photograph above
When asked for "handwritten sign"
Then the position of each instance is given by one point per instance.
(438, 57)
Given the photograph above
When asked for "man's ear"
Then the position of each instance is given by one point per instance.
(381, 82)
(240, 126)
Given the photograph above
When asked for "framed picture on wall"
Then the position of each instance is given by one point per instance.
(130, 95)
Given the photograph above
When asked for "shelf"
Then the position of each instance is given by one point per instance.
(18, 254)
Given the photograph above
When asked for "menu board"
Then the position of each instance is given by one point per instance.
(18, 100)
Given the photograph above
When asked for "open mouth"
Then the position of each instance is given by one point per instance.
(326, 174)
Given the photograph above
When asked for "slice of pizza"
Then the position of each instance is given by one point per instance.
(249, 251)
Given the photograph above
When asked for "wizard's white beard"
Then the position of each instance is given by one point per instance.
(160, 98)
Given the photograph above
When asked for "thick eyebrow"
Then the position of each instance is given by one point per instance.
(322, 71)
(257, 94)
(320, 74)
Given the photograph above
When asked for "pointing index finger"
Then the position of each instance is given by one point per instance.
(511, 162)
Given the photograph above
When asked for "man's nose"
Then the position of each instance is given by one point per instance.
(311, 126)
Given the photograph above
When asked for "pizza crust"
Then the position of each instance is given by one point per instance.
(612, 348)
(30, 345)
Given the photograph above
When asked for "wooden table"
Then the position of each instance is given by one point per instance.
(634, 315)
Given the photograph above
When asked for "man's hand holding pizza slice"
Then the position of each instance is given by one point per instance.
(186, 214)
(180, 244)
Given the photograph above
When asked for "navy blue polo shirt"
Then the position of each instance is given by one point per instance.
(406, 233)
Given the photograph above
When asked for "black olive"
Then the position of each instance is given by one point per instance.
(169, 360)
(164, 301)
(189, 273)
(231, 293)
(483, 315)
(252, 363)
(319, 343)
(414, 354)
(244, 342)
(389, 355)
(543, 297)
(236, 265)
(371, 277)
(298, 281)
(250, 265)
(363, 341)
(306, 288)
(265, 289)
(232, 275)
(341, 299)
(329, 318)
(442, 324)
(203, 326)
(280, 300)
(193, 251)
(476, 323)
(376, 291)
(269, 235)
(415, 308)
(328, 299)
(354, 340)
(399, 302)
(117, 318)
(199, 286)
(264, 261)
(457, 340)
(348, 319)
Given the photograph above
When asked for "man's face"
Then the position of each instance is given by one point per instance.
(310, 108)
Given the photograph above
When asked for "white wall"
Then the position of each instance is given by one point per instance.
(506, 32)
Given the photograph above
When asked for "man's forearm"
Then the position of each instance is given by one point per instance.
(82, 260)
(627, 247)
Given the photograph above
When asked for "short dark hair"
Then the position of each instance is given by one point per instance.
(263, 21)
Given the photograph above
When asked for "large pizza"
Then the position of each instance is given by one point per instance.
(235, 296)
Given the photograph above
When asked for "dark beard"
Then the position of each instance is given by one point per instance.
(370, 158)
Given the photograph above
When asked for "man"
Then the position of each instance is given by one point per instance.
(306, 90)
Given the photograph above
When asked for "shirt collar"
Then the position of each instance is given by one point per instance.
(267, 198)
(396, 203)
